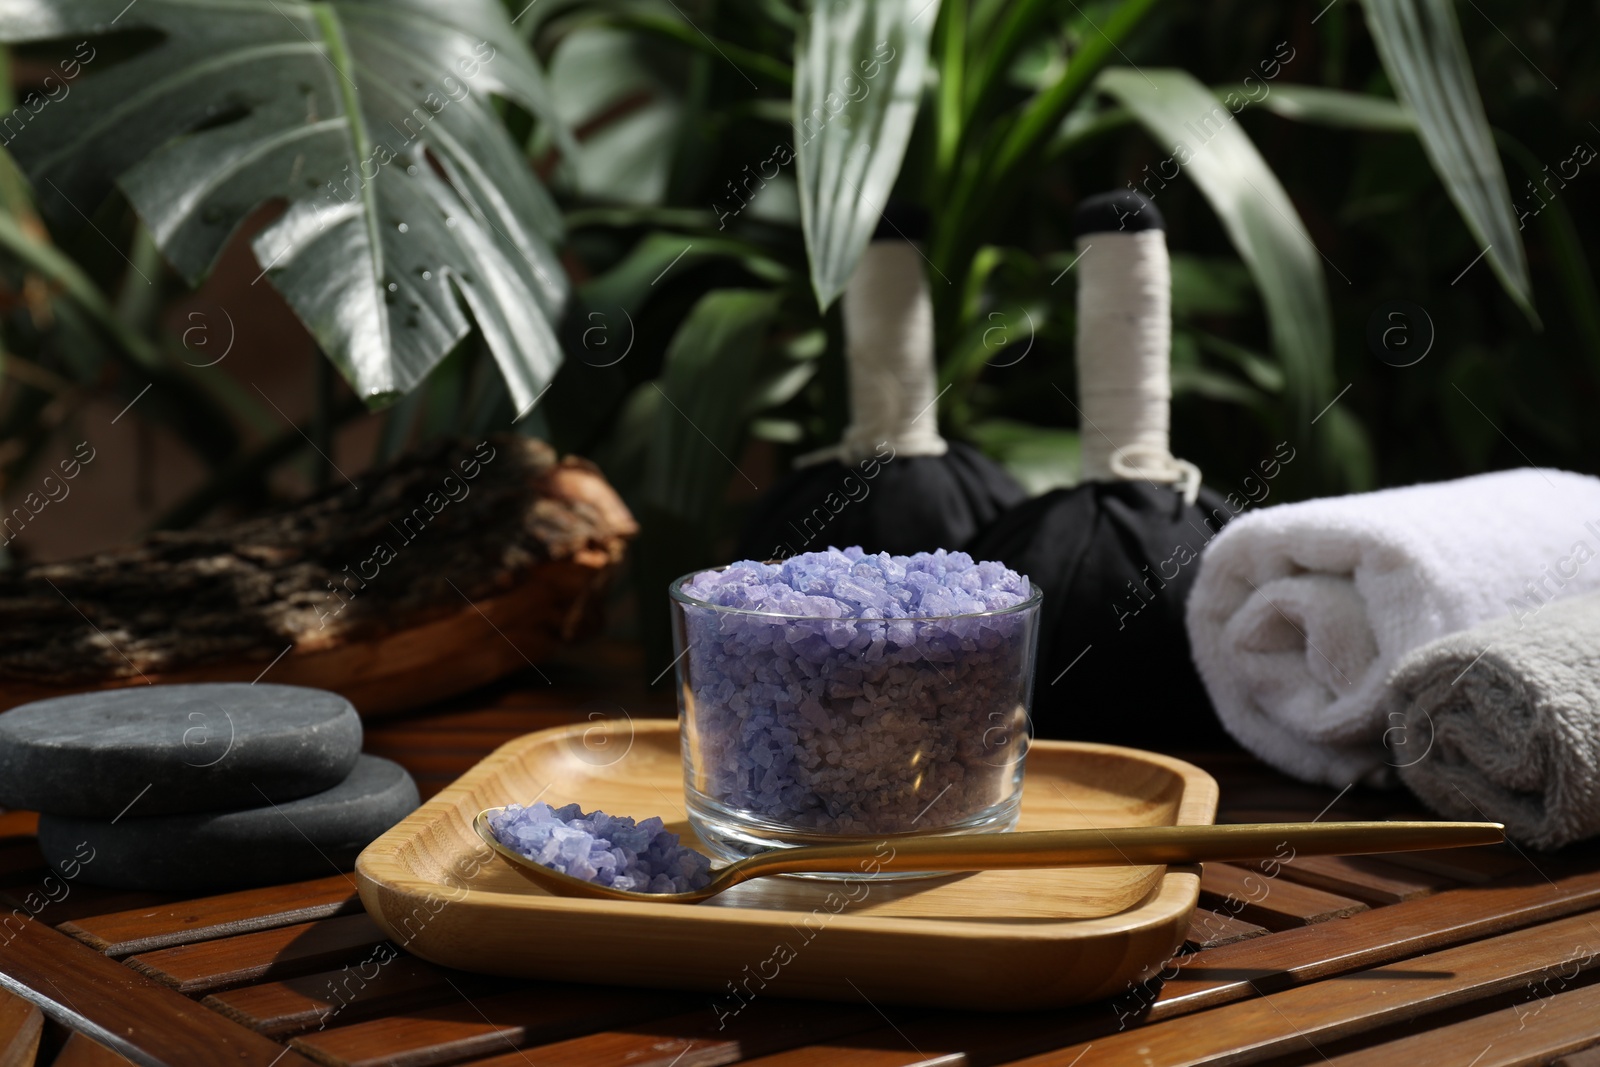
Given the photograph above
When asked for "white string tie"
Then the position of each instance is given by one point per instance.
(888, 330)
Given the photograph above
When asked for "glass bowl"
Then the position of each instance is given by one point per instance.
(806, 730)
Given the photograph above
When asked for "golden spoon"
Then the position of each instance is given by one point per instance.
(1122, 846)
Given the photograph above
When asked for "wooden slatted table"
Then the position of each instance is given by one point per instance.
(1472, 958)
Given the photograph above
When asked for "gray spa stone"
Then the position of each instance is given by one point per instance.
(197, 748)
(311, 837)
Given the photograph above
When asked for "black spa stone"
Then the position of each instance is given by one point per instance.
(171, 749)
(295, 840)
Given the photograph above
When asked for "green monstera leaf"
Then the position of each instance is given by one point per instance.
(410, 213)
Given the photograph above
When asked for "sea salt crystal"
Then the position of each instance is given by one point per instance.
(610, 850)
(874, 710)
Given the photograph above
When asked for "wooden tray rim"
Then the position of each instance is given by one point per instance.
(379, 872)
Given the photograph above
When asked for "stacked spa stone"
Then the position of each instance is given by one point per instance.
(199, 788)
(849, 693)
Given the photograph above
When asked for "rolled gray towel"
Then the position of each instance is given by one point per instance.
(1502, 722)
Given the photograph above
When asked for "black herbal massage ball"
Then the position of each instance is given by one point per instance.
(1117, 554)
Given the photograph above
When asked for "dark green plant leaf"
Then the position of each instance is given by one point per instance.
(952, 74)
(678, 27)
(1001, 338)
(623, 218)
(1201, 381)
(1084, 123)
(1049, 109)
(1335, 107)
(1209, 286)
(1419, 42)
(716, 375)
(45, 258)
(631, 281)
(859, 68)
(601, 81)
(998, 30)
(991, 167)
(1262, 372)
(1567, 258)
(1349, 449)
(1254, 210)
(342, 108)
(186, 402)
(624, 455)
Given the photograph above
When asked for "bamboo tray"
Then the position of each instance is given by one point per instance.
(996, 940)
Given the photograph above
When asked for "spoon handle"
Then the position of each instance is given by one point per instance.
(1125, 846)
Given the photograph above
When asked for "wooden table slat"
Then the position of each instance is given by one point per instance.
(1364, 878)
(1235, 808)
(89, 991)
(268, 955)
(1587, 1057)
(18, 824)
(1388, 959)
(1275, 903)
(696, 1039)
(18, 877)
(53, 898)
(1367, 939)
(1477, 865)
(21, 1024)
(486, 1026)
(1208, 929)
(123, 933)
(883, 1048)
(1292, 798)
(83, 1051)
(433, 763)
(20, 861)
(1518, 1036)
(88, 901)
(333, 998)
(1293, 1021)
(1231, 973)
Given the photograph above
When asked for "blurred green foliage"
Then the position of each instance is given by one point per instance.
(698, 362)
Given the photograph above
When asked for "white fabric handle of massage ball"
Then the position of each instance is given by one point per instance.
(1124, 353)
(888, 329)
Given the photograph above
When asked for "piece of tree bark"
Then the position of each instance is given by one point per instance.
(445, 570)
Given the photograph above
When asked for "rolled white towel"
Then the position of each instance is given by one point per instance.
(1300, 611)
(1502, 722)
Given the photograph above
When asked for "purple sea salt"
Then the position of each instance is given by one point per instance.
(841, 692)
(610, 850)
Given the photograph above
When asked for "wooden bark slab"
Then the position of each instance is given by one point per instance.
(448, 569)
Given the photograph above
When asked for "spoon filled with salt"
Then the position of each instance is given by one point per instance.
(685, 876)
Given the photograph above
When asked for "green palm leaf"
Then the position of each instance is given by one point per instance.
(1335, 107)
(1419, 42)
(410, 212)
(859, 68)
